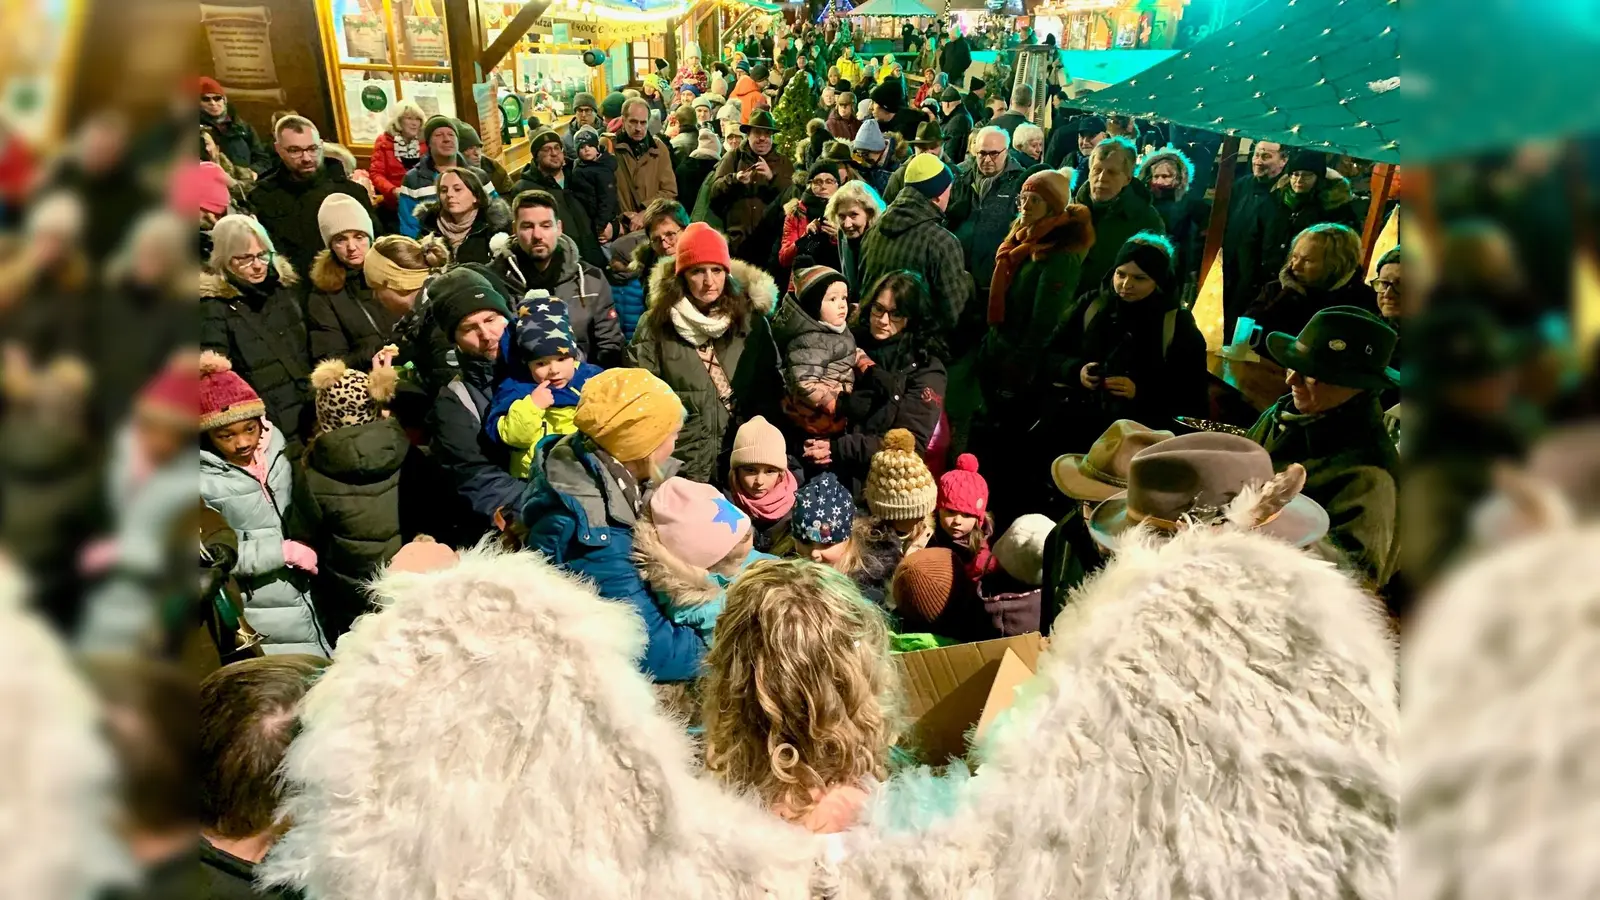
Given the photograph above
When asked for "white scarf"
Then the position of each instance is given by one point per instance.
(407, 148)
(695, 326)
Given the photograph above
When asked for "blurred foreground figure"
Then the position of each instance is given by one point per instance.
(1215, 717)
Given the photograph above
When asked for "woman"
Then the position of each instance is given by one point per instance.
(804, 215)
(464, 216)
(901, 329)
(346, 323)
(842, 122)
(396, 151)
(211, 151)
(586, 490)
(1307, 193)
(706, 335)
(932, 84)
(837, 242)
(1322, 270)
(250, 312)
(395, 270)
(1129, 351)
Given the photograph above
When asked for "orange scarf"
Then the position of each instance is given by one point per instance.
(1021, 244)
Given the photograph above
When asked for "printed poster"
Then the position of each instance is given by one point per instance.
(425, 40)
(364, 38)
(241, 48)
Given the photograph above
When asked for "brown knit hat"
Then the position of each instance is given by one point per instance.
(1054, 187)
(926, 585)
(899, 485)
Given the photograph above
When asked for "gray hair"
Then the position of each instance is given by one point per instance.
(401, 110)
(853, 194)
(164, 228)
(1022, 96)
(1026, 132)
(1116, 145)
(982, 134)
(231, 236)
(296, 124)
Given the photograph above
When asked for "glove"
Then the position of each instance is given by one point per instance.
(300, 556)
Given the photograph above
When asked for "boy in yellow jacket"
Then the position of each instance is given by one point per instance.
(525, 412)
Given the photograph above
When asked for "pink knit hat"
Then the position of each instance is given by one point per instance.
(203, 186)
(225, 398)
(696, 522)
(963, 490)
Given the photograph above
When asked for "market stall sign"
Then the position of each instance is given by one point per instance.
(425, 39)
(241, 46)
(364, 38)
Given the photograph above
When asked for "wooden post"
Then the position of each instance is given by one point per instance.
(465, 27)
(1228, 161)
(515, 29)
(1380, 199)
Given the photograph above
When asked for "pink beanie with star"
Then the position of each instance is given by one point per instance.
(695, 522)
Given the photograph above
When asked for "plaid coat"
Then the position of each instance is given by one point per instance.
(911, 235)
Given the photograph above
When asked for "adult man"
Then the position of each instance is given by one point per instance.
(956, 57)
(541, 256)
(1331, 423)
(911, 235)
(889, 109)
(548, 173)
(870, 156)
(957, 125)
(977, 102)
(420, 185)
(746, 182)
(247, 721)
(644, 167)
(929, 140)
(1120, 205)
(984, 203)
(1078, 141)
(1021, 110)
(1245, 208)
(585, 114)
(288, 197)
(849, 66)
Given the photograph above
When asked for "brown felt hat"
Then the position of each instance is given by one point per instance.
(1103, 471)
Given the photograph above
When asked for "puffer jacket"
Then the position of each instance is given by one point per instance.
(349, 492)
(388, 170)
(594, 187)
(476, 247)
(742, 206)
(748, 356)
(627, 280)
(262, 330)
(911, 235)
(747, 92)
(982, 223)
(687, 594)
(586, 291)
(812, 352)
(345, 321)
(1266, 244)
(1125, 216)
(581, 522)
(276, 598)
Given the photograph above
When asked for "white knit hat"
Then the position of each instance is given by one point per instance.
(1020, 550)
(340, 213)
(899, 486)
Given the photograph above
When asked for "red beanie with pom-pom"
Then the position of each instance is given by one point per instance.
(963, 490)
(225, 398)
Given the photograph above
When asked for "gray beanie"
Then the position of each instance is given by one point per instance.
(870, 138)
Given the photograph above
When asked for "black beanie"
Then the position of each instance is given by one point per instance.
(459, 293)
(1307, 161)
(888, 96)
(1152, 258)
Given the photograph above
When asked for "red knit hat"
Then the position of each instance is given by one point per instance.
(963, 490)
(209, 85)
(225, 398)
(700, 245)
(172, 396)
(198, 186)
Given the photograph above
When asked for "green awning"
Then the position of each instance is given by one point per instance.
(1323, 74)
(896, 8)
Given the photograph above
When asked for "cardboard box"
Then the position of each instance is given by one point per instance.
(951, 689)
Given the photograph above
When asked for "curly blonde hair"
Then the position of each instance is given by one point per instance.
(800, 694)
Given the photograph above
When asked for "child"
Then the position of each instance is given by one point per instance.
(819, 353)
(245, 476)
(1011, 594)
(626, 271)
(827, 529)
(932, 595)
(689, 545)
(761, 484)
(900, 490)
(965, 524)
(800, 695)
(525, 412)
(594, 183)
(350, 486)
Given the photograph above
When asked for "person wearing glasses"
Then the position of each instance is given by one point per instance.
(251, 313)
(237, 140)
(288, 197)
(984, 203)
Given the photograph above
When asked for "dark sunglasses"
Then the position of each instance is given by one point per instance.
(211, 98)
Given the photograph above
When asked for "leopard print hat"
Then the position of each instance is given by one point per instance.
(347, 397)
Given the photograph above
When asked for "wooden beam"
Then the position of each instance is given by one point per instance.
(462, 29)
(1375, 219)
(515, 29)
(1227, 162)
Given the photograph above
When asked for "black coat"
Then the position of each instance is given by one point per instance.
(1249, 195)
(288, 208)
(954, 60)
(692, 173)
(576, 221)
(1284, 308)
(905, 388)
(474, 248)
(957, 128)
(981, 224)
(1265, 245)
(478, 467)
(345, 322)
(1126, 215)
(594, 187)
(1186, 221)
(261, 329)
(239, 142)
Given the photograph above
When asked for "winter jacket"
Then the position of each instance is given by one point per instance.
(476, 247)
(1061, 148)
(1245, 205)
(911, 235)
(262, 330)
(819, 248)
(349, 493)
(238, 141)
(1286, 306)
(747, 92)
(687, 594)
(1185, 211)
(644, 176)
(1351, 469)
(742, 206)
(798, 213)
(842, 128)
(1126, 215)
(388, 170)
(578, 519)
(748, 357)
(849, 69)
(982, 223)
(516, 421)
(692, 173)
(1265, 246)
(581, 286)
(479, 468)
(277, 599)
(954, 60)
(815, 357)
(576, 222)
(905, 388)
(421, 185)
(1038, 302)
(288, 208)
(957, 129)
(627, 283)
(345, 322)
(593, 186)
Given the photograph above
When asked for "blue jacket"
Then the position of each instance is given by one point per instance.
(628, 298)
(582, 523)
(418, 187)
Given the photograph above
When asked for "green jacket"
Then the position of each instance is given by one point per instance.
(1351, 469)
(1037, 303)
(1130, 213)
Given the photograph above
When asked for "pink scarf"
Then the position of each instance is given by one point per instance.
(773, 505)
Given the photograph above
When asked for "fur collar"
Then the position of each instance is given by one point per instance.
(496, 216)
(1333, 189)
(328, 275)
(747, 285)
(669, 574)
(215, 286)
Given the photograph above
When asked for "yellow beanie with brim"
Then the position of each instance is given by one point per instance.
(628, 412)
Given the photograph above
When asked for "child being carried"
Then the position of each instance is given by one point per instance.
(820, 357)
(525, 412)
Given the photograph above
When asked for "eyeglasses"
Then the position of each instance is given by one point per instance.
(990, 154)
(212, 98)
(824, 181)
(891, 314)
(1384, 285)
(248, 259)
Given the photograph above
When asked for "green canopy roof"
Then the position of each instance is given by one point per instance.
(898, 8)
(1323, 74)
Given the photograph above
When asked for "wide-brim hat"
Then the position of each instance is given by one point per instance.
(1342, 345)
(760, 119)
(1103, 471)
(929, 134)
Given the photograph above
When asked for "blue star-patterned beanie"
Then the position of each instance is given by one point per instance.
(543, 329)
(823, 511)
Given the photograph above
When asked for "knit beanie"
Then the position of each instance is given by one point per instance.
(888, 96)
(611, 108)
(899, 485)
(1152, 258)
(628, 412)
(928, 174)
(695, 522)
(225, 398)
(963, 490)
(691, 88)
(340, 213)
(924, 585)
(950, 95)
(869, 138)
(209, 85)
(197, 187)
(823, 511)
(759, 72)
(541, 138)
(347, 397)
(172, 396)
(584, 99)
(467, 136)
(543, 329)
(586, 137)
(759, 443)
(823, 163)
(700, 244)
(1307, 161)
(1021, 549)
(810, 285)
(459, 293)
(1054, 187)
(435, 123)
(710, 146)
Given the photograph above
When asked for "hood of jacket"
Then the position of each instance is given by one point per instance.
(667, 573)
(1179, 161)
(328, 275)
(360, 454)
(1333, 190)
(495, 217)
(216, 286)
(507, 254)
(216, 465)
(570, 470)
(909, 211)
(749, 285)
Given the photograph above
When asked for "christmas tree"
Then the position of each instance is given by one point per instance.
(795, 108)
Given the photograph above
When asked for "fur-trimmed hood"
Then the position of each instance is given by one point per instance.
(747, 285)
(668, 574)
(328, 275)
(215, 285)
(1179, 160)
(496, 216)
(1333, 190)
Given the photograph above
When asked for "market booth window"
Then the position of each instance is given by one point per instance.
(385, 51)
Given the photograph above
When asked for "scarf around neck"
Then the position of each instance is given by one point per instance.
(695, 326)
(455, 232)
(1030, 241)
(773, 506)
(407, 148)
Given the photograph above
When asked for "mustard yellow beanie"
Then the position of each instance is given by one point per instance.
(628, 412)
(899, 485)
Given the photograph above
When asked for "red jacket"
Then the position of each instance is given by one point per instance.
(386, 169)
(794, 228)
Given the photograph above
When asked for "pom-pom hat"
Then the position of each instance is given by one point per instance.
(348, 397)
(225, 398)
(963, 490)
(899, 485)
